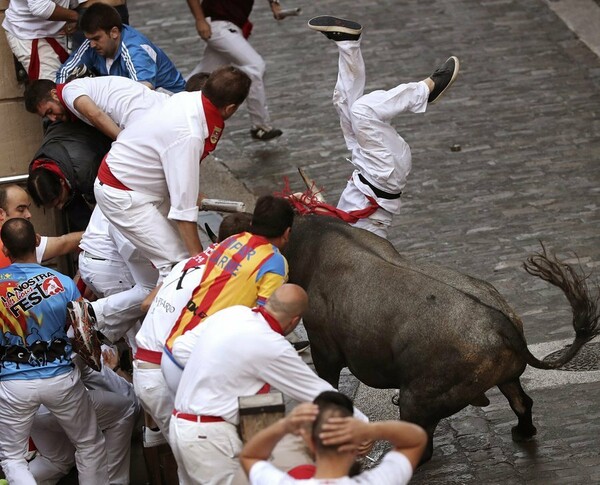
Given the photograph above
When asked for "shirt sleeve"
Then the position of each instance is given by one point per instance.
(263, 473)
(140, 62)
(393, 469)
(41, 249)
(181, 165)
(41, 8)
(271, 276)
(289, 374)
(70, 93)
(77, 58)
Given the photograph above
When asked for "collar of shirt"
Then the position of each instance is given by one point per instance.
(59, 93)
(214, 123)
(273, 323)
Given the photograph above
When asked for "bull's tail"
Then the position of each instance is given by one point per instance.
(584, 306)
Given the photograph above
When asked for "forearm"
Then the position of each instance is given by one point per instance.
(400, 433)
(189, 234)
(195, 7)
(145, 306)
(261, 445)
(98, 118)
(61, 13)
(65, 244)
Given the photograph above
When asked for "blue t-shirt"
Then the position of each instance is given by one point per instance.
(137, 58)
(33, 313)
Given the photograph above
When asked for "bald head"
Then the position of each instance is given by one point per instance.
(14, 202)
(287, 304)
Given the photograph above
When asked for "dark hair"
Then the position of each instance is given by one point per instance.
(196, 82)
(331, 404)
(43, 186)
(272, 216)
(226, 85)
(37, 92)
(234, 224)
(18, 237)
(100, 16)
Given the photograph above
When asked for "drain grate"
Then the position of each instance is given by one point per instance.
(588, 358)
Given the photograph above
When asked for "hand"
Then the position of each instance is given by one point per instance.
(276, 9)
(110, 358)
(203, 28)
(301, 418)
(70, 28)
(352, 435)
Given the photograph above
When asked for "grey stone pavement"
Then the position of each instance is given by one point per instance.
(525, 111)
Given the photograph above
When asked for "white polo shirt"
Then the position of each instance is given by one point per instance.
(122, 99)
(170, 299)
(236, 354)
(27, 19)
(159, 153)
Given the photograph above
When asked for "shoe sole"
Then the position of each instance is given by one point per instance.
(326, 23)
(452, 79)
(85, 343)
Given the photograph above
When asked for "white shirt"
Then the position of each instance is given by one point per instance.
(27, 19)
(394, 469)
(170, 299)
(236, 354)
(122, 99)
(41, 249)
(159, 153)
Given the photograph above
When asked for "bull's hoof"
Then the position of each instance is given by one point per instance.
(521, 435)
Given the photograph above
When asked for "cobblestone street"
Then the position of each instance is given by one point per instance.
(525, 111)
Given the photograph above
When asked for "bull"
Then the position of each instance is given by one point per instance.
(439, 336)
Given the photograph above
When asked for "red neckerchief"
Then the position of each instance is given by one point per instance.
(273, 323)
(59, 94)
(50, 166)
(215, 124)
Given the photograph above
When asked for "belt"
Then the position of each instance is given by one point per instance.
(151, 356)
(196, 418)
(378, 192)
(91, 256)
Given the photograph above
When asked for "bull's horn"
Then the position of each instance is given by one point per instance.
(209, 232)
(311, 185)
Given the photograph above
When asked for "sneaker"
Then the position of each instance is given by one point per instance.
(335, 28)
(80, 316)
(301, 345)
(265, 133)
(79, 72)
(443, 77)
(152, 438)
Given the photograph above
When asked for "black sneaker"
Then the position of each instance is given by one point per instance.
(265, 133)
(443, 77)
(301, 345)
(335, 28)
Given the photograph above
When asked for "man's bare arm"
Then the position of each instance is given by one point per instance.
(260, 446)
(145, 306)
(189, 234)
(98, 118)
(202, 26)
(59, 246)
(407, 438)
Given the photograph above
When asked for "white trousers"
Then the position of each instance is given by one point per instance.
(66, 398)
(208, 453)
(49, 61)
(379, 153)
(228, 46)
(154, 395)
(56, 455)
(142, 219)
(122, 287)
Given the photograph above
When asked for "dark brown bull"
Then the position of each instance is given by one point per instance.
(441, 337)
